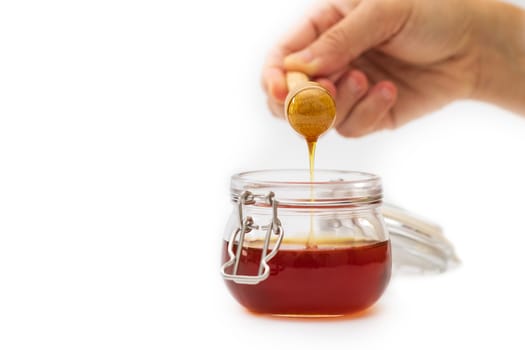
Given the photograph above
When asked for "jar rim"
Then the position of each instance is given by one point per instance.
(292, 186)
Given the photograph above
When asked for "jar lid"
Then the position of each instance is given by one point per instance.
(418, 246)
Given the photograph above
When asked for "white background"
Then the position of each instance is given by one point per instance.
(120, 125)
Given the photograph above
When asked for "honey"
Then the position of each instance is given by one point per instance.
(337, 277)
(285, 267)
(310, 111)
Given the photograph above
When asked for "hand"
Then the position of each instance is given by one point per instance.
(388, 62)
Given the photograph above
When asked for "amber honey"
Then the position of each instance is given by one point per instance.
(310, 111)
(335, 279)
(315, 275)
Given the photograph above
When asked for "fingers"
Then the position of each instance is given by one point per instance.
(350, 89)
(317, 21)
(276, 107)
(369, 24)
(369, 114)
(328, 85)
(323, 46)
(387, 122)
(274, 83)
(359, 111)
(322, 18)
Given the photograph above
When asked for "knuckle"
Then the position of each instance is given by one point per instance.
(334, 40)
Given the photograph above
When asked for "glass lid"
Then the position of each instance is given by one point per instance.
(418, 246)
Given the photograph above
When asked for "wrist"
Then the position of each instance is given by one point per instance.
(499, 37)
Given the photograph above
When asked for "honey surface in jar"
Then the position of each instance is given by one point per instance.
(335, 279)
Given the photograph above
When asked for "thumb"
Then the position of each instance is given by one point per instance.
(370, 24)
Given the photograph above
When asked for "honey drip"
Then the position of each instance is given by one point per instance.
(311, 158)
(310, 110)
(310, 242)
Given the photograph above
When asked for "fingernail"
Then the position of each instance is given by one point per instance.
(354, 84)
(386, 93)
(304, 56)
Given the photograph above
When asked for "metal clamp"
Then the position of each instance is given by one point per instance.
(246, 225)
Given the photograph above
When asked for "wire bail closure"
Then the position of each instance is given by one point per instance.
(246, 225)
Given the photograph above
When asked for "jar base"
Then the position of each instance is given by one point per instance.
(314, 283)
(306, 316)
(367, 312)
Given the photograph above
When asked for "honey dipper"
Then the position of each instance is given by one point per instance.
(309, 108)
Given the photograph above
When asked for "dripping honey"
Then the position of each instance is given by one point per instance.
(323, 276)
(311, 112)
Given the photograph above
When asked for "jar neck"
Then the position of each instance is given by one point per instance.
(312, 205)
(292, 189)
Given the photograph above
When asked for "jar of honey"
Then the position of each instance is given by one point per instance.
(302, 248)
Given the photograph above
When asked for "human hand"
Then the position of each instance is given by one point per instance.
(388, 62)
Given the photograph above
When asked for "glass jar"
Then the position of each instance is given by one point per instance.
(307, 248)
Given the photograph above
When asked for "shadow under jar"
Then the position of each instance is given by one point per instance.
(307, 248)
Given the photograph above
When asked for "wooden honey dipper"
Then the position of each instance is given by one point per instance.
(309, 108)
